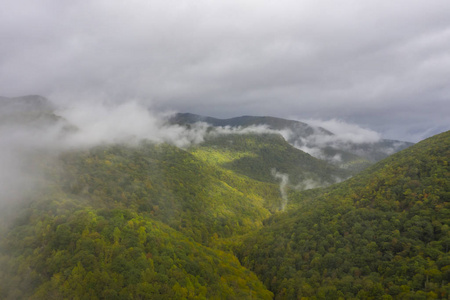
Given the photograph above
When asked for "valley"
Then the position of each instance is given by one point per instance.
(242, 213)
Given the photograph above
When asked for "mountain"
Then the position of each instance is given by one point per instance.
(299, 128)
(32, 111)
(320, 142)
(235, 214)
(382, 234)
(121, 222)
(30, 103)
(262, 156)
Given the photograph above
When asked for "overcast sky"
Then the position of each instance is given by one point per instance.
(384, 65)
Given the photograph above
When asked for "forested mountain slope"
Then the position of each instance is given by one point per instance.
(258, 156)
(382, 234)
(301, 129)
(171, 185)
(120, 222)
(149, 220)
(323, 143)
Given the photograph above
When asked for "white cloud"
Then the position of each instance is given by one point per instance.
(343, 132)
(284, 181)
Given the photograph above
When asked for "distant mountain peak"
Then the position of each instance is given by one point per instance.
(317, 141)
(26, 103)
(245, 121)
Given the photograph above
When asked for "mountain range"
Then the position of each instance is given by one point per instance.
(241, 213)
(328, 146)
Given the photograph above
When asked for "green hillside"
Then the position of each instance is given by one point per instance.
(351, 156)
(256, 155)
(153, 221)
(61, 250)
(170, 185)
(123, 222)
(380, 235)
(301, 129)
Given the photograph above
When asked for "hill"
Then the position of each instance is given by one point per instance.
(32, 111)
(300, 128)
(148, 220)
(381, 234)
(127, 222)
(260, 156)
(318, 141)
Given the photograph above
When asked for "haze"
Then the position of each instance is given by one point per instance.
(383, 65)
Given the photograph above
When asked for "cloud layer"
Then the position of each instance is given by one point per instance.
(380, 64)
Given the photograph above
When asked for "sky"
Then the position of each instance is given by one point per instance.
(382, 65)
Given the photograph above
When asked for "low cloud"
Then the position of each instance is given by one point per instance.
(309, 184)
(132, 121)
(47, 128)
(343, 132)
(34, 128)
(256, 129)
(344, 136)
(129, 122)
(284, 181)
(32, 133)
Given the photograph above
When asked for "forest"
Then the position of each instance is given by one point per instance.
(154, 221)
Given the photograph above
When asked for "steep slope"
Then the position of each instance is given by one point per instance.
(259, 156)
(127, 222)
(172, 186)
(62, 250)
(384, 233)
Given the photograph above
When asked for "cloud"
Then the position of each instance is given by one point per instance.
(284, 181)
(35, 128)
(127, 122)
(308, 184)
(30, 134)
(20, 172)
(343, 132)
(130, 122)
(344, 137)
(382, 65)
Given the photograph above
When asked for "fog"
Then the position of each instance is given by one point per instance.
(33, 130)
(33, 126)
(284, 181)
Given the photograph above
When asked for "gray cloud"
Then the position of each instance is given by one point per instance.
(381, 64)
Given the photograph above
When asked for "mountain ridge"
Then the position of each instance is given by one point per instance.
(382, 233)
(317, 141)
(227, 217)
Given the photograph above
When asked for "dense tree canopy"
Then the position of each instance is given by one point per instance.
(153, 221)
(384, 233)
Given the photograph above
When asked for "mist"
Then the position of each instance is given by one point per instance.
(33, 127)
(284, 181)
(345, 136)
(33, 130)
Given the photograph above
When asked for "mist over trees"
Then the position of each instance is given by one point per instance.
(182, 208)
